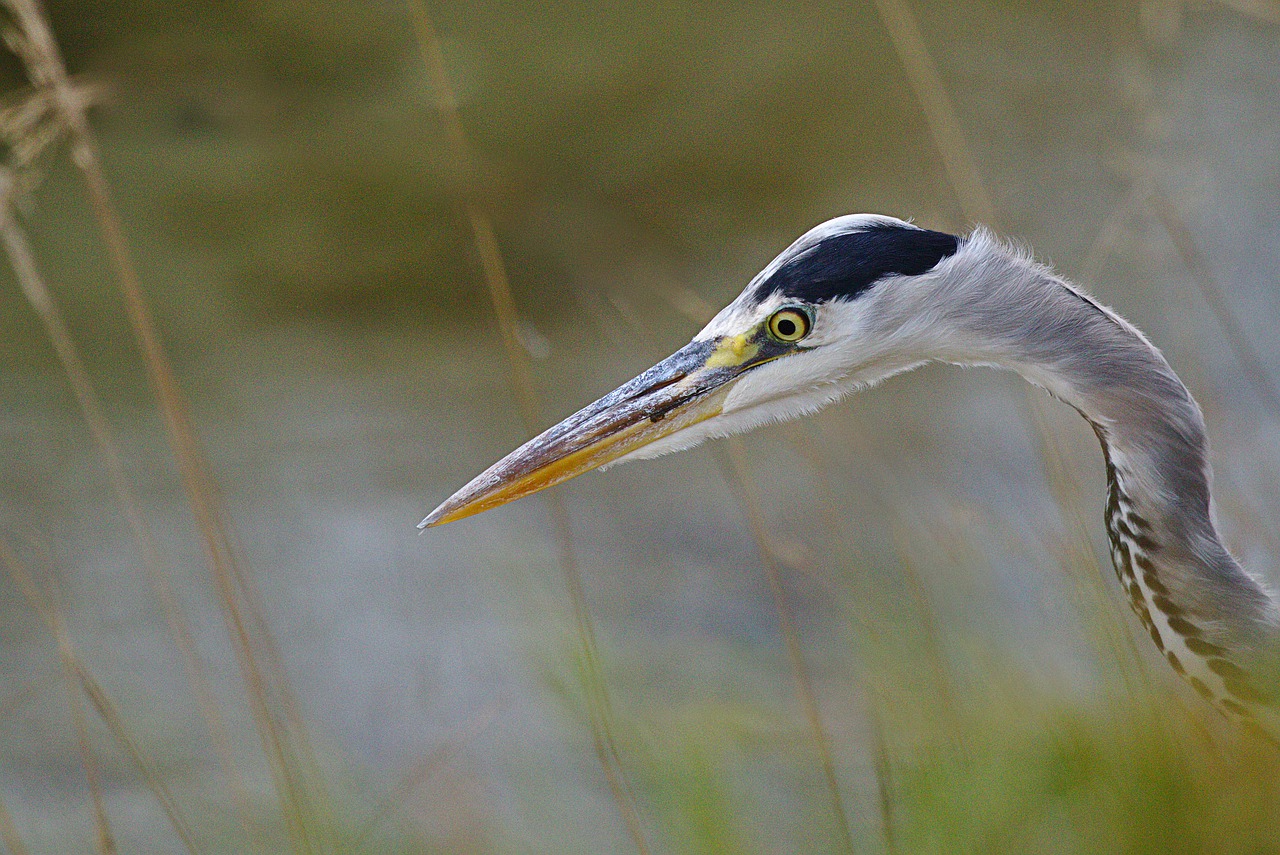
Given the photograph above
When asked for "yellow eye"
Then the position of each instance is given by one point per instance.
(788, 325)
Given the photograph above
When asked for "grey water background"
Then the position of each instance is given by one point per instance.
(289, 195)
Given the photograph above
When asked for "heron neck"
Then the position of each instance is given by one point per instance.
(1205, 614)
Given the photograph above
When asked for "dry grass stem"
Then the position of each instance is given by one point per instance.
(111, 715)
(966, 181)
(685, 301)
(691, 305)
(9, 832)
(740, 481)
(79, 680)
(1267, 11)
(1109, 634)
(926, 617)
(818, 475)
(19, 698)
(504, 307)
(29, 120)
(41, 299)
(884, 780)
(688, 303)
(909, 580)
(424, 769)
(940, 115)
(1255, 368)
(104, 840)
(26, 585)
(1106, 241)
(40, 53)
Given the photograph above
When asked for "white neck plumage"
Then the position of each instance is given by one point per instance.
(1210, 618)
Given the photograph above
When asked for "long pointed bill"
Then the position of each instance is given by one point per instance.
(684, 389)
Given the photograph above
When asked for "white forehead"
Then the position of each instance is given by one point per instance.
(746, 308)
(837, 226)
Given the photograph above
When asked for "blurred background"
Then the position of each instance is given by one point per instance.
(302, 224)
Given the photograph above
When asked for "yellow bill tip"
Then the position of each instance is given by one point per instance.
(442, 515)
(486, 492)
(681, 391)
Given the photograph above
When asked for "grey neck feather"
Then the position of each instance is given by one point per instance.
(989, 305)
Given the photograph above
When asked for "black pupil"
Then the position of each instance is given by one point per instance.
(786, 327)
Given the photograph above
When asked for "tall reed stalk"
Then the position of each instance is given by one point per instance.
(283, 734)
(495, 275)
(81, 684)
(739, 478)
(737, 475)
(975, 201)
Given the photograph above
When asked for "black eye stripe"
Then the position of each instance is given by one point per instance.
(845, 265)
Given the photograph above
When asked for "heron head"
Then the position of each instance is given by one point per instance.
(798, 337)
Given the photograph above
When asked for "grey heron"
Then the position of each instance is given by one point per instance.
(863, 297)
